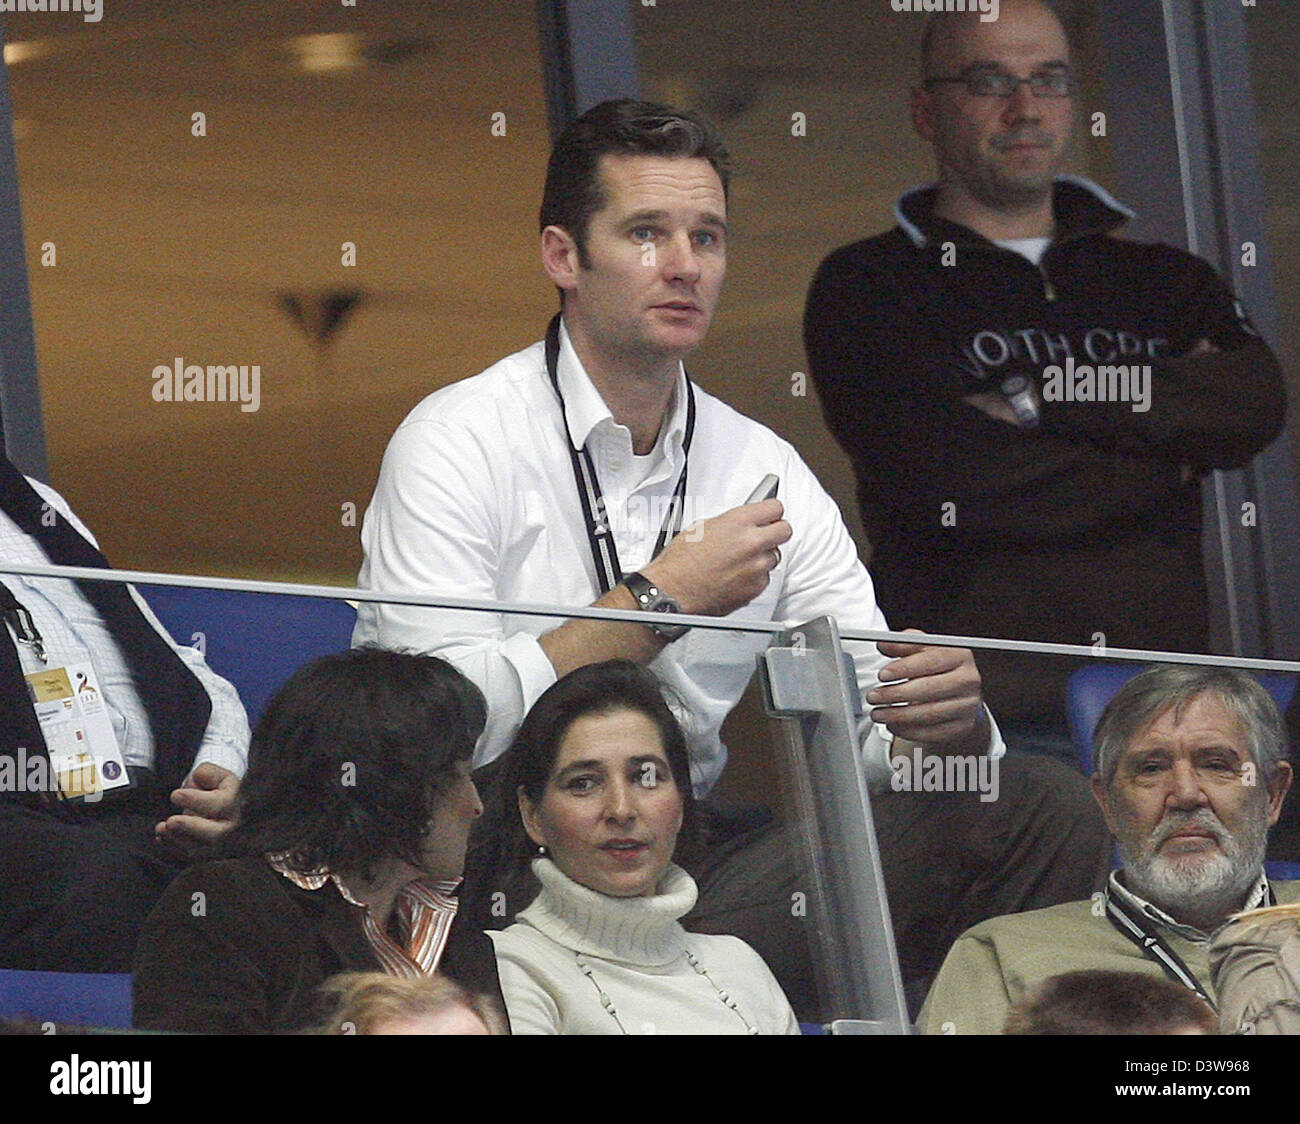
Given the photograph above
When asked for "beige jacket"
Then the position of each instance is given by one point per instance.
(994, 963)
(1256, 964)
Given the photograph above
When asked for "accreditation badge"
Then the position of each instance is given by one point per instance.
(85, 759)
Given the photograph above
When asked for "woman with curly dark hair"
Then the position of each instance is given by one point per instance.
(353, 822)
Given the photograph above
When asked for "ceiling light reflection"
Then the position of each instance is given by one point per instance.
(25, 50)
(327, 52)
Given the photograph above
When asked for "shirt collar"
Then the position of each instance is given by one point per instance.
(1258, 896)
(636, 930)
(1080, 206)
(585, 409)
(438, 893)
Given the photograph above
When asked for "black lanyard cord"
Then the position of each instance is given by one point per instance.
(1136, 928)
(600, 534)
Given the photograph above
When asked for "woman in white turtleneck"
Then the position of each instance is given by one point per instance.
(600, 771)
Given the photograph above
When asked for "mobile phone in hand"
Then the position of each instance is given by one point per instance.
(766, 488)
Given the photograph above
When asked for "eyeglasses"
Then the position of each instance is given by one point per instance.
(1000, 84)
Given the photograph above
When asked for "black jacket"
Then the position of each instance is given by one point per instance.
(248, 955)
(1089, 524)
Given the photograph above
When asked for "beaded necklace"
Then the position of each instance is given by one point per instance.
(608, 1003)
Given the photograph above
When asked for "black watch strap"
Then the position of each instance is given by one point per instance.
(651, 599)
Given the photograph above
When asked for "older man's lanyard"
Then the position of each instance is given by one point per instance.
(599, 534)
(1134, 925)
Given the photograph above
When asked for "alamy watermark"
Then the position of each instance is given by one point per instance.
(33, 772)
(639, 516)
(92, 11)
(988, 9)
(1103, 382)
(943, 772)
(87, 1077)
(190, 382)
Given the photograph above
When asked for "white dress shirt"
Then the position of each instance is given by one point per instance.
(477, 499)
(74, 632)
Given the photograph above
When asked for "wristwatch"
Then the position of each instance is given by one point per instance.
(1018, 391)
(651, 599)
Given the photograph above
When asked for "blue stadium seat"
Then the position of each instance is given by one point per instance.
(72, 998)
(1092, 686)
(1280, 871)
(256, 640)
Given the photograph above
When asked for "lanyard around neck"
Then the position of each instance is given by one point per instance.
(1138, 928)
(600, 536)
(14, 614)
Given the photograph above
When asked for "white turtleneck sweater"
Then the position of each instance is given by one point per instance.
(638, 956)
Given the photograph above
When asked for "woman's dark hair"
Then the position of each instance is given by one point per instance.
(347, 764)
(598, 688)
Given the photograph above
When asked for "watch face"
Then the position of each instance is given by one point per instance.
(651, 599)
(670, 631)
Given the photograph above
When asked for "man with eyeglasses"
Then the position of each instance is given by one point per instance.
(1028, 400)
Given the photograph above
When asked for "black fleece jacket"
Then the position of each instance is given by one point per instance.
(1088, 524)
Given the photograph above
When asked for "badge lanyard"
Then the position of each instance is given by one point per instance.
(600, 536)
(17, 617)
(1134, 926)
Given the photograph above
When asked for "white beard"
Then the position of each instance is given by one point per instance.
(1211, 884)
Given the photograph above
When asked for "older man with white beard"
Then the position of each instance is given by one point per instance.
(1191, 774)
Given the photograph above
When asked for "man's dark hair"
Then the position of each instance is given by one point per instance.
(573, 191)
(596, 689)
(348, 764)
(1101, 1002)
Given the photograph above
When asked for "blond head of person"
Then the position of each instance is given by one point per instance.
(377, 1003)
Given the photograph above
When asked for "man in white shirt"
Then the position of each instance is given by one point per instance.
(80, 875)
(491, 486)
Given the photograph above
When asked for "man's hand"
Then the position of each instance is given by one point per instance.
(942, 691)
(207, 802)
(712, 568)
(997, 407)
(718, 565)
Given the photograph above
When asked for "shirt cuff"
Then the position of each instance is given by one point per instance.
(878, 745)
(532, 665)
(876, 749)
(997, 747)
(225, 754)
